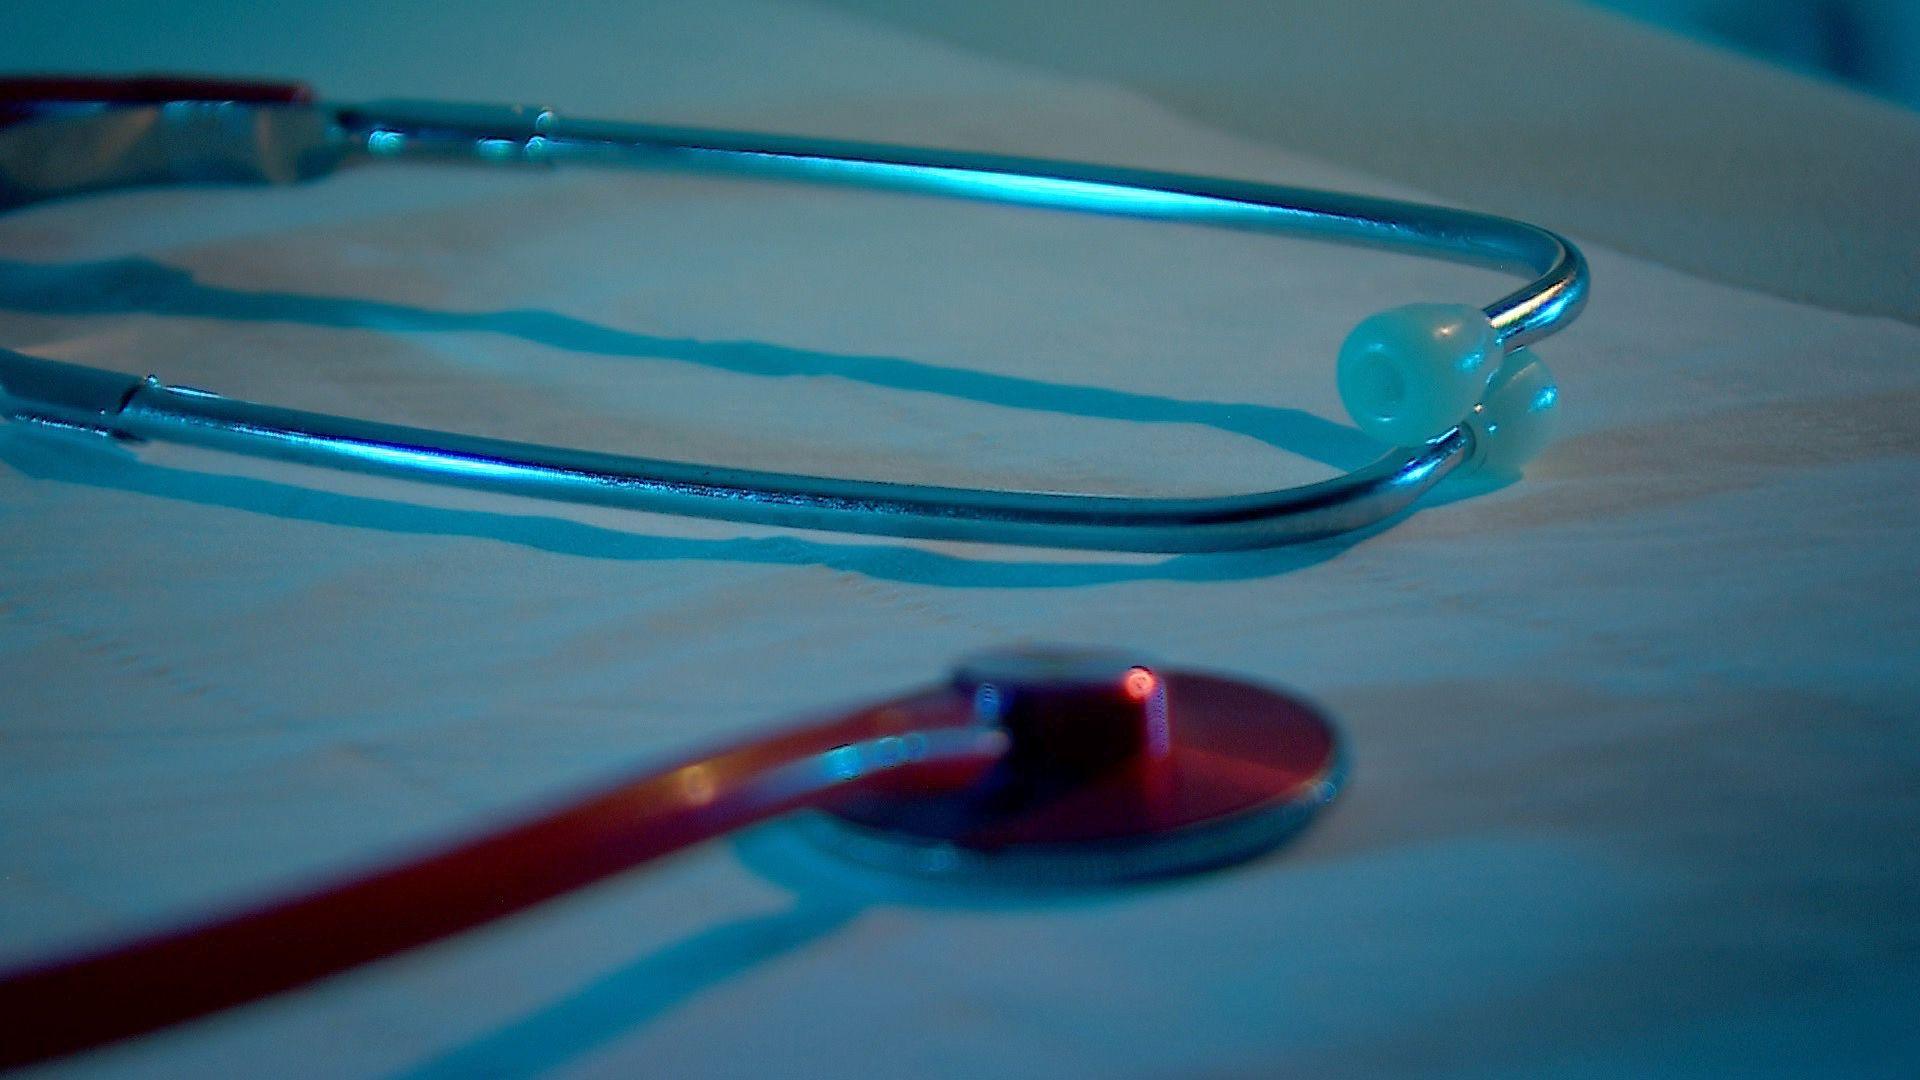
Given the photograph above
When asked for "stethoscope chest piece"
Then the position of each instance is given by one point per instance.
(1113, 771)
(1027, 767)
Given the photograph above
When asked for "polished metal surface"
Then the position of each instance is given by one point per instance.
(125, 408)
(66, 154)
(530, 134)
(180, 142)
(1114, 771)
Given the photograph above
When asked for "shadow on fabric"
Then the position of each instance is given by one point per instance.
(135, 285)
(142, 286)
(44, 457)
(619, 1003)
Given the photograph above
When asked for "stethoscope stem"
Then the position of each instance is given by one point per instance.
(99, 996)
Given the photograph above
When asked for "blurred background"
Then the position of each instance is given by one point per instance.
(1872, 44)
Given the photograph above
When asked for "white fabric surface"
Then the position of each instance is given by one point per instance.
(1635, 767)
(1695, 157)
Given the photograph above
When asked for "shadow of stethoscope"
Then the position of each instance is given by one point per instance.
(138, 285)
(626, 1000)
(142, 286)
(828, 896)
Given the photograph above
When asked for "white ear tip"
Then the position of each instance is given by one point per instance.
(1518, 417)
(1409, 374)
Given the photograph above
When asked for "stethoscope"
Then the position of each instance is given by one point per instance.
(1451, 385)
(1030, 768)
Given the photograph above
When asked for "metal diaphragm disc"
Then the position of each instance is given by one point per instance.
(1206, 771)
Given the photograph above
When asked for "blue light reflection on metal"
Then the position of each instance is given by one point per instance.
(1014, 188)
(134, 410)
(1554, 296)
(411, 458)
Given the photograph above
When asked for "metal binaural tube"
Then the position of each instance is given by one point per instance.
(1097, 522)
(434, 131)
(274, 137)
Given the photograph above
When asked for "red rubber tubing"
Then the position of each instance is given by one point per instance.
(92, 998)
(22, 97)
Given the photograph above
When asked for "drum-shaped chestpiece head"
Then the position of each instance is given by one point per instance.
(1113, 770)
(1068, 713)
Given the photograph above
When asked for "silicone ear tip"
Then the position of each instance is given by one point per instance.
(1410, 374)
(1517, 418)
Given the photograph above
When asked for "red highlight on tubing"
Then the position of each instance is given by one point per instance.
(93, 998)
